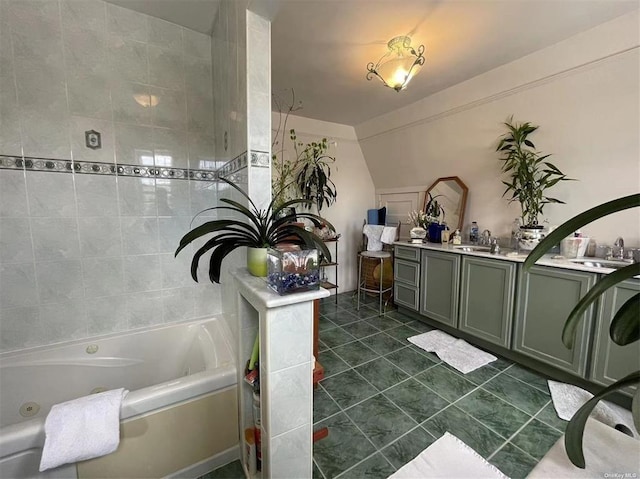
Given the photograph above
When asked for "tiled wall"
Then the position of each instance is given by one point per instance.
(83, 253)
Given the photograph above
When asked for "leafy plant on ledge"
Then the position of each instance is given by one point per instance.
(624, 328)
(308, 174)
(530, 174)
(255, 228)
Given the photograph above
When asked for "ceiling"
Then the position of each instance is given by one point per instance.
(320, 48)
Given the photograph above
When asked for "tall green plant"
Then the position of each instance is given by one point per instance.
(307, 174)
(625, 326)
(529, 174)
(314, 172)
(255, 228)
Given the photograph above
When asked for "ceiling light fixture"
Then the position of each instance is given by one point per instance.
(146, 100)
(396, 68)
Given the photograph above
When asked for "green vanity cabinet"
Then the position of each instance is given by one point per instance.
(611, 362)
(487, 290)
(406, 277)
(439, 283)
(546, 296)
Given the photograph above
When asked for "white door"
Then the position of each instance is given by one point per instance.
(398, 207)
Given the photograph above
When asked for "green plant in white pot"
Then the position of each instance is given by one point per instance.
(530, 175)
(624, 329)
(256, 229)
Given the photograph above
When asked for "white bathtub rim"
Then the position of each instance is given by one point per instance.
(30, 434)
(17, 353)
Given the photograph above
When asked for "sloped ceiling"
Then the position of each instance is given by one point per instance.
(320, 48)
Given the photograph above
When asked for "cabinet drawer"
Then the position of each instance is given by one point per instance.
(407, 252)
(407, 272)
(407, 296)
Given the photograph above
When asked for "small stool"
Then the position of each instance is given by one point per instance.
(378, 257)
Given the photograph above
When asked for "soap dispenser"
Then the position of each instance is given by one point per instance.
(457, 237)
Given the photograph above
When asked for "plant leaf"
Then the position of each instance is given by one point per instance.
(635, 409)
(577, 222)
(575, 428)
(625, 325)
(606, 282)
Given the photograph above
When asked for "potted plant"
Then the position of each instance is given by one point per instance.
(427, 223)
(254, 228)
(435, 226)
(624, 328)
(308, 174)
(529, 177)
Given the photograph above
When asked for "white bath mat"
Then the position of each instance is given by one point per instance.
(455, 352)
(451, 458)
(567, 399)
(607, 453)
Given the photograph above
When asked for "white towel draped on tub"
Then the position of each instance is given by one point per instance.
(82, 429)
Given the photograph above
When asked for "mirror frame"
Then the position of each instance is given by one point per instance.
(463, 200)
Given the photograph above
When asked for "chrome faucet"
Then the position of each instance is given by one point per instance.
(485, 238)
(619, 243)
(495, 246)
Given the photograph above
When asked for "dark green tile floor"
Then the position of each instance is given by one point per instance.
(385, 400)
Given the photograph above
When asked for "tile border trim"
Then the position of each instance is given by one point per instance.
(96, 168)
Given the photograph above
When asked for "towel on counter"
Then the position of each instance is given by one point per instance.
(373, 234)
(389, 234)
(82, 429)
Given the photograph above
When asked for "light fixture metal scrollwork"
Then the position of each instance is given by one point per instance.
(396, 68)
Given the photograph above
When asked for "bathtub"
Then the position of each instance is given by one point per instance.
(180, 377)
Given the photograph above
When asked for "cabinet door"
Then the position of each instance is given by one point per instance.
(486, 299)
(612, 362)
(439, 282)
(545, 299)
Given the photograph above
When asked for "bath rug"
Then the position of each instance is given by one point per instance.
(82, 429)
(567, 399)
(456, 353)
(607, 453)
(451, 458)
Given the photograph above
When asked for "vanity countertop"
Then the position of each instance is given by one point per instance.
(510, 255)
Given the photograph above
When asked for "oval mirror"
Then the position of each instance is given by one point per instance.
(451, 194)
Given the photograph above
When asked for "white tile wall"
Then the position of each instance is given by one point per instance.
(84, 254)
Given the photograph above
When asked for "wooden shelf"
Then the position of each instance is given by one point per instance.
(331, 264)
(322, 265)
(328, 285)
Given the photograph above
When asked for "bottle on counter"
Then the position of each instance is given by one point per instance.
(457, 237)
(515, 232)
(474, 233)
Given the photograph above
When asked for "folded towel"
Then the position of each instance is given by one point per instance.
(451, 458)
(567, 399)
(82, 429)
(373, 234)
(389, 234)
(455, 352)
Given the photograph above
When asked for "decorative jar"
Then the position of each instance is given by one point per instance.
(418, 234)
(291, 269)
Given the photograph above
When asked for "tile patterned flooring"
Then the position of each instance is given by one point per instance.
(385, 400)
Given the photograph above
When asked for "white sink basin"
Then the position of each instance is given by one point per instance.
(601, 263)
(472, 248)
